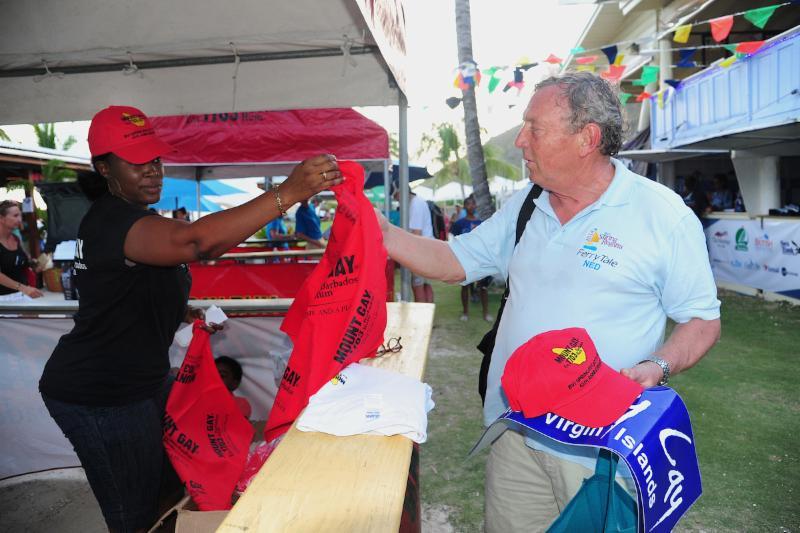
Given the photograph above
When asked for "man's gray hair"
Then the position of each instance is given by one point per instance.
(591, 99)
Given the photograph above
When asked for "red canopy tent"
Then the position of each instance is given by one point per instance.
(267, 143)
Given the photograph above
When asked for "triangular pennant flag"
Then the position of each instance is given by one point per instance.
(661, 98)
(618, 60)
(585, 60)
(553, 60)
(730, 47)
(649, 75)
(749, 47)
(526, 66)
(644, 95)
(686, 57)
(760, 16)
(515, 84)
(614, 73)
(728, 61)
(682, 33)
(673, 83)
(624, 97)
(577, 50)
(585, 68)
(494, 80)
(721, 27)
(611, 53)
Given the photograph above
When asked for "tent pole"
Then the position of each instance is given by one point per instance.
(387, 199)
(403, 185)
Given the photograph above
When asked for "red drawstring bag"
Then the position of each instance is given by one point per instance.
(205, 434)
(339, 314)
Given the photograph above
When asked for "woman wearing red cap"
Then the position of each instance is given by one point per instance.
(106, 382)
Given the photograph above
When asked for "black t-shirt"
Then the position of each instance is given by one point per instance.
(13, 263)
(127, 316)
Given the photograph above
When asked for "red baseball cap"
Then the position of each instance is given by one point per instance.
(126, 132)
(560, 372)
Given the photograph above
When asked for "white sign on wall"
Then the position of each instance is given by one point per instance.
(763, 255)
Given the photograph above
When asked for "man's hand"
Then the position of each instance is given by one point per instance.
(195, 313)
(647, 374)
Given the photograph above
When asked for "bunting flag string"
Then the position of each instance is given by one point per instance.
(720, 28)
(469, 76)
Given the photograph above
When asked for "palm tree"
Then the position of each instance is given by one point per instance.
(54, 169)
(46, 136)
(477, 165)
(459, 170)
(447, 145)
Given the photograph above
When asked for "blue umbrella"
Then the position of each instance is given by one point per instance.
(177, 193)
(189, 202)
(414, 173)
(176, 187)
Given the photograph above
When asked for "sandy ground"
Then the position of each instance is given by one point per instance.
(61, 500)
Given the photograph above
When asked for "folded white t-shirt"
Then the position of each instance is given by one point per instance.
(367, 400)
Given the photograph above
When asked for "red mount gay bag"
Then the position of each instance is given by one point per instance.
(205, 435)
(339, 314)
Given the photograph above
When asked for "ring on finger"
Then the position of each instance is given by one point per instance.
(325, 175)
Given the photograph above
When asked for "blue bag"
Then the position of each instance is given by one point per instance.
(600, 505)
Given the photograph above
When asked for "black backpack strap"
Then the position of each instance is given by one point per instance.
(486, 346)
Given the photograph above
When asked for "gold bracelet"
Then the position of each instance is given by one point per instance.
(278, 201)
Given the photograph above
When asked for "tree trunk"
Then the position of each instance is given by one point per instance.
(477, 165)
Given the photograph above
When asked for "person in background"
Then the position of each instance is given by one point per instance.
(107, 381)
(605, 249)
(720, 197)
(231, 373)
(456, 214)
(14, 262)
(460, 227)
(695, 198)
(306, 225)
(181, 214)
(276, 231)
(419, 223)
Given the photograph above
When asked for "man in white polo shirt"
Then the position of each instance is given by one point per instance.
(419, 223)
(606, 250)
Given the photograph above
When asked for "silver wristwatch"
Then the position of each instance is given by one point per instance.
(664, 367)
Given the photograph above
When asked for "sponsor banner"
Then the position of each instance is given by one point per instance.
(654, 438)
(763, 256)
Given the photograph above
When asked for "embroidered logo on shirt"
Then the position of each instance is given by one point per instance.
(594, 259)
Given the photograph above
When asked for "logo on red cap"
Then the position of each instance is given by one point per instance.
(560, 372)
(136, 120)
(127, 133)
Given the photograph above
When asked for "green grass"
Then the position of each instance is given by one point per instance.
(742, 398)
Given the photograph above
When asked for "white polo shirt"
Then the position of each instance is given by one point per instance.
(618, 268)
(419, 216)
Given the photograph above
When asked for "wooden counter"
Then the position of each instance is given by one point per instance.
(53, 303)
(317, 482)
